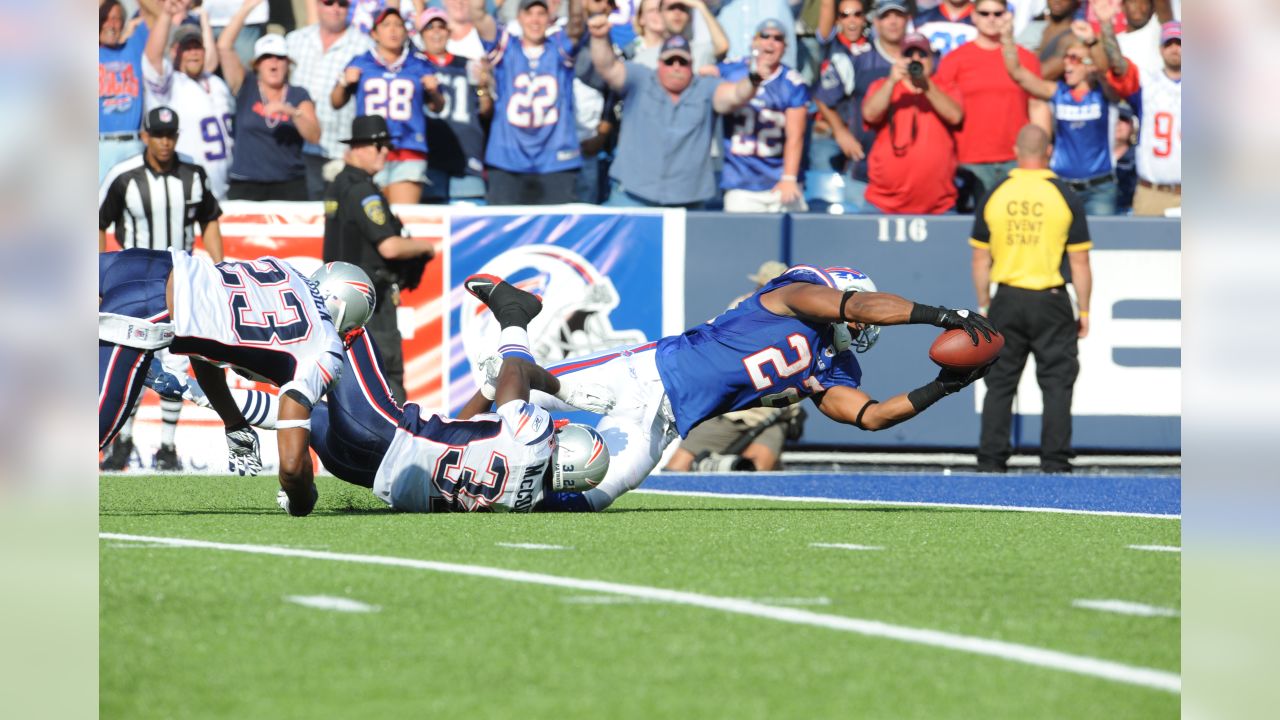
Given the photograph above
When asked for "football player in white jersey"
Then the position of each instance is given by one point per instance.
(202, 100)
(262, 317)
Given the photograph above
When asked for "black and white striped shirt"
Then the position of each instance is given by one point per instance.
(155, 210)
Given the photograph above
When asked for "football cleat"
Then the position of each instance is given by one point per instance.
(166, 459)
(509, 304)
(118, 454)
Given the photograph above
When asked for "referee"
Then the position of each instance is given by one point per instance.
(154, 201)
(1020, 233)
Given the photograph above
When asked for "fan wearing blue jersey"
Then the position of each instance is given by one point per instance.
(1081, 103)
(457, 131)
(795, 338)
(393, 81)
(764, 141)
(533, 153)
(947, 26)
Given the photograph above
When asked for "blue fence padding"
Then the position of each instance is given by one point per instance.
(925, 259)
(1157, 494)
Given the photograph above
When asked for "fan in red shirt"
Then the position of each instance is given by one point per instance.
(913, 161)
(995, 107)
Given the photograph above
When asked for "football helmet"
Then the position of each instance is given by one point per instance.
(347, 293)
(580, 460)
(847, 278)
(576, 302)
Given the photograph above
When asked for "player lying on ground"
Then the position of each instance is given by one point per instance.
(418, 461)
(262, 317)
(794, 338)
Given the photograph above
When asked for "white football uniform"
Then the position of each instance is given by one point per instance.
(261, 316)
(494, 461)
(1159, 151)
(205, 110)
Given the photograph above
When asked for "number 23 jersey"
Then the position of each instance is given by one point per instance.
(749, 357)
(262, 316)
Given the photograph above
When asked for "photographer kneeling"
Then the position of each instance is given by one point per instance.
(748, 440)
(913, 160)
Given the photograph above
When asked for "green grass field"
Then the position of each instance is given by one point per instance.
(191, 632)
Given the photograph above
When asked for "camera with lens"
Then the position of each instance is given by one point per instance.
(915, 69)
(715, 462)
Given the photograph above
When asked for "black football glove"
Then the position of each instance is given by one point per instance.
(966, 320)
(953, 381)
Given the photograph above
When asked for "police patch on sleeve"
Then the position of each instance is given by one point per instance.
(373, 208)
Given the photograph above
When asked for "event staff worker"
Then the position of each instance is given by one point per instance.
(360, 229)
(1020, 233)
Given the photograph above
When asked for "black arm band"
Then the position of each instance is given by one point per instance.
(857, 422)
(298, 398)
(925, 314)
(926, 395)
(844, 299)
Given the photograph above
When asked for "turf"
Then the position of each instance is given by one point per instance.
(202, 633)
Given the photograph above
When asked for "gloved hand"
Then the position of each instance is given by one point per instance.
(489, 367)
(953, 381)
(588, 396)
(282, 499)
(949, 319)
(167, 385)
(243, 455)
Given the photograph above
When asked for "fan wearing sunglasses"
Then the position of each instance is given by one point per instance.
(913, 160)
(664, 147)
(764, 140)
(1081, 105)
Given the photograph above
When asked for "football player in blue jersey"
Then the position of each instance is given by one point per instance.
(533, 153)
(795, 338)
(393, 81)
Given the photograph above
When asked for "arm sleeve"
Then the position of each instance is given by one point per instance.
(980, 236)
(209, 209)
(875, 87)
(374, 217)
(1078, 234)
(1127, 84)
(112, 204)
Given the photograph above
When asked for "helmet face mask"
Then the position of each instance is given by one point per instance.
(860, 337)
(580, 459)
(347, 293)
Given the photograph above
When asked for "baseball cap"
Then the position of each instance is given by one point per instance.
(161, 120)
(426, 16)
(917, 41)
(769, 269)
(676, 44)
(771, 24)
(885, 6)
(1171, 30)
(383, 14)
(526, 4)
(270, 46)
(367, 129)
(187, 36)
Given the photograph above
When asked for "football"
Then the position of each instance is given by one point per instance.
(954, 350)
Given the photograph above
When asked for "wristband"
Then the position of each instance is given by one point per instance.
(792, 178)
(857, 422)
(926, 395)
(1084, 313)
(925, 315)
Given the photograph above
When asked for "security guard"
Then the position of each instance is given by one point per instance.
(1020, 234)
(359, 228)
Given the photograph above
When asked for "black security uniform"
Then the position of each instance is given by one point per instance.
(1028, 222)
(357, 219)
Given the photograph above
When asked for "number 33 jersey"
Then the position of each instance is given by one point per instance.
(493, 461)
(749, 357)
(261, 316)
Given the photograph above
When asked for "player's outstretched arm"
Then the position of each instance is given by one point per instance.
(243, 455)
(517, 377)
(297, 476)
(852, 406)
(824, 304)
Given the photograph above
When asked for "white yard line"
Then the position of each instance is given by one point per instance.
(532, 546)
(1156, 548)
(329, 602)
(1025, 654)
(903, 503)
(845, 546)
(1124, 607)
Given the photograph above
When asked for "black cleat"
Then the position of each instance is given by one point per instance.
(166, 459)
(118, 454)
(511, 305)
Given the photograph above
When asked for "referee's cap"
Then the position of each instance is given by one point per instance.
(161, 121)
(369, 129)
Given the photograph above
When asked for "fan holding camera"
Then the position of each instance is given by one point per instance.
(913, 159)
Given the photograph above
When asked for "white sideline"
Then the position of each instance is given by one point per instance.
(902, 503)
(329, 602)
(1156, 548)
(846, 546)
(1025, 654)
(1124, 607)
(532, 546)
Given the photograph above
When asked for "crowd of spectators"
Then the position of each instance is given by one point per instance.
(879, 106)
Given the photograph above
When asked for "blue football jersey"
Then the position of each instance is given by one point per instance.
(755, 135)
(1082, 134)
(749, 357)
(946, 33)
(457, 145)
(533, 127)
(395, 92)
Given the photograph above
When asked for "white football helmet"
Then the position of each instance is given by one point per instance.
(580, 460)
(847, 278)
(347, 293)
(576, 302)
